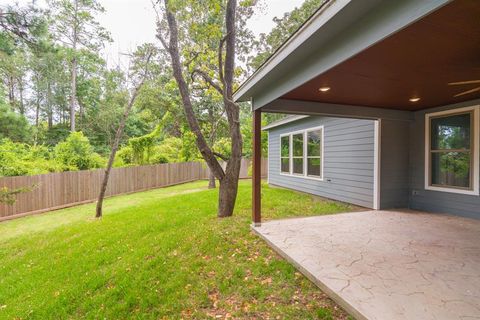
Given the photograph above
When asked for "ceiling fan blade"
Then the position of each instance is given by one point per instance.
(467, 92)
(463, 82)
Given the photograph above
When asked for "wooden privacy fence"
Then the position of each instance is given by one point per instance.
(64, 189)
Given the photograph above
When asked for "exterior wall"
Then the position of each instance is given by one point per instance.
(435, 201)
(348, 160)
(394, 160)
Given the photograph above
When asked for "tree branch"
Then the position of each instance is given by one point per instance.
(221, 156)
(208, 79)
(165, 45)
(159, 36)
(220, 60)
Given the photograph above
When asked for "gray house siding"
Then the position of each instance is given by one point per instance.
(435, 201)
(348, 160)
(394, 159)
(349, 164)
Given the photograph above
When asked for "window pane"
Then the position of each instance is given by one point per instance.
(285, 164)
(314, 142)
(451, 169)
(297, 145)
(313, 167)
(451, 132)
(285, 145)
(298, 165)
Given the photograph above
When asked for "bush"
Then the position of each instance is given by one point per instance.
(12, 125)
(76, 153)
(52, 136)
(170, 149)
(158, 158)
(18, 159)
(125, 154)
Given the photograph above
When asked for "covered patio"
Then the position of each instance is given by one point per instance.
(387, 264)
(410, 66)
(413, 68)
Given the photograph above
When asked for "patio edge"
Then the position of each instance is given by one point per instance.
(332, 294)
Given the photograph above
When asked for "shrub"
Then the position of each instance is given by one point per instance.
(170, 149)
(18, 159)
(158, 158)
(76, 153)
(126, 155)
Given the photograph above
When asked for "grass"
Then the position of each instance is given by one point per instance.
(160, 254)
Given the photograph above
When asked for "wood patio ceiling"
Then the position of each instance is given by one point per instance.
(418, 61)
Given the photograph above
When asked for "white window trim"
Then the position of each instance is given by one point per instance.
(475, 151)
(289, 154)
(304, 132)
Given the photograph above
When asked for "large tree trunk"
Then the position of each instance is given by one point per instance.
(73, 93)
(232, 171)
(22, 104)
(73, 80)
(11, 91)
(211, 117)
(227, 195)
(211, 181)
(228, 179)
(49, 106)
(37, 102)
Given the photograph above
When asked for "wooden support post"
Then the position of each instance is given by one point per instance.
(257, 164)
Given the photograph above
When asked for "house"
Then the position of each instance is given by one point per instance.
(325, 156)
(408, 72)
(401, 79)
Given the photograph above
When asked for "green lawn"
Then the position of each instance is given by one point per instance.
(160, 254)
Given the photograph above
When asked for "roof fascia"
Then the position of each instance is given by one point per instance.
(354, 27)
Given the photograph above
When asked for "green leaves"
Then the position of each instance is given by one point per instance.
(9, 196)
(285, 26)
(76, 153)
(13, 125)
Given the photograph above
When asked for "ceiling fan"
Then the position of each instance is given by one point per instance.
(463, 83)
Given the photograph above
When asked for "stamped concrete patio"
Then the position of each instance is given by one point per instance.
(387, 264)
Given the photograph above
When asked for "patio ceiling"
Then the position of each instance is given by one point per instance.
(417, 62)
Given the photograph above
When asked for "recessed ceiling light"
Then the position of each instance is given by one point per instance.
(414, 99)
(324, 89)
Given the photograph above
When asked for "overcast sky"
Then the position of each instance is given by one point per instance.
(132, 22)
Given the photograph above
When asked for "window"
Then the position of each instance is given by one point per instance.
(285, 154)
(314, 151)
(301, 153)
(297, 153)
(452, 151)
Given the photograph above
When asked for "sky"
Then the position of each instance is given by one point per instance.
(132, 22)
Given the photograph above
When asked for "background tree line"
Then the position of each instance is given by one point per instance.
(61, 104)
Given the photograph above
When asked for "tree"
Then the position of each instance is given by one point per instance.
(12, 125)
(214, 40)
(142, 62)
(21, 24)
(76, 153)
(283, 29)
(76, 27)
